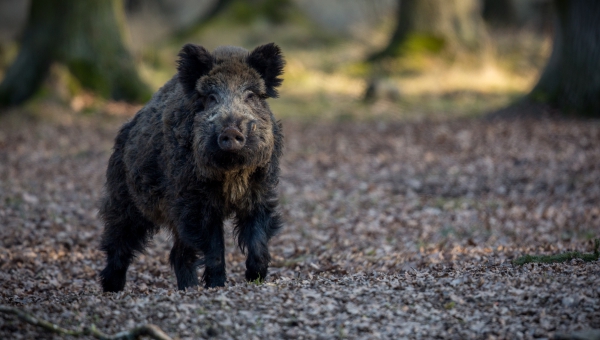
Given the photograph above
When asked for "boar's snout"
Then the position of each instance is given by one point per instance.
(231, 139)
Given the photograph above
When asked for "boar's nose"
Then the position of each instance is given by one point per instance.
(231, 139)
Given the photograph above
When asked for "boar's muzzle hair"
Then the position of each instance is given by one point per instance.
(205, 148)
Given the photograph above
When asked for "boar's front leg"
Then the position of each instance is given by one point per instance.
(200, 229)
(214, 256)
(254, 231)
(184, 259)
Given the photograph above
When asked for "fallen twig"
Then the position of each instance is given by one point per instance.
(589, 334)
(149, 330)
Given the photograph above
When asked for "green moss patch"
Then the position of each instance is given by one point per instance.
(422, 43)
(560, 257)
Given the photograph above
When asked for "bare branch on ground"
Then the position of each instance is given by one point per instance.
(152, 331)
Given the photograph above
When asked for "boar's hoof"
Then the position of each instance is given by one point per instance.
(231, 139)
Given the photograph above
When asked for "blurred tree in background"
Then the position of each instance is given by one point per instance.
(571, 79)
(435, 25)
(499, 13)
(217, 8)
(325, 40)
(87, 37)
(179, 20)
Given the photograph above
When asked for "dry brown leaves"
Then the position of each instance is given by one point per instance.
(393, 230)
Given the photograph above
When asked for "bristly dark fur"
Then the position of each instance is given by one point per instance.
(205, 148)
(194, 62)
(268, 61)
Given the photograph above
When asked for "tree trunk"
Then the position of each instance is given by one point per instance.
(217, 8)
(86, 36)
(30, 67)
(571, 79)
(435, 25)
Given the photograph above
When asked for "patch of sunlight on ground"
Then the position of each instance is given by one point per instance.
(488, 78)
(445, 90)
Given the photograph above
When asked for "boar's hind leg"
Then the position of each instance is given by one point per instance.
(126, 233)
(254, 232)
(184, 260)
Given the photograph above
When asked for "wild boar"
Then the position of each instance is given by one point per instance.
(205, 148)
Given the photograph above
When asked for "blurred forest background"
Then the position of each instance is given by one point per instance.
(346, 58)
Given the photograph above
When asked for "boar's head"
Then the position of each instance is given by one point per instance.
(227, 92)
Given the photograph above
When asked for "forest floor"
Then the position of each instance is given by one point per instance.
(393, 229)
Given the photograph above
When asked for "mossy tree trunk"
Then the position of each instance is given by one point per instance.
(435, 25)
(571, 79)
(87, 37)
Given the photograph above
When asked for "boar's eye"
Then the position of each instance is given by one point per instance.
(211, 100)
(250, 96)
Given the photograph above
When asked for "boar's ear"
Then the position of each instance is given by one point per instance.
(194, 62)
(268, 61)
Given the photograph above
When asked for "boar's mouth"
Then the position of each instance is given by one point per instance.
(227, 160)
